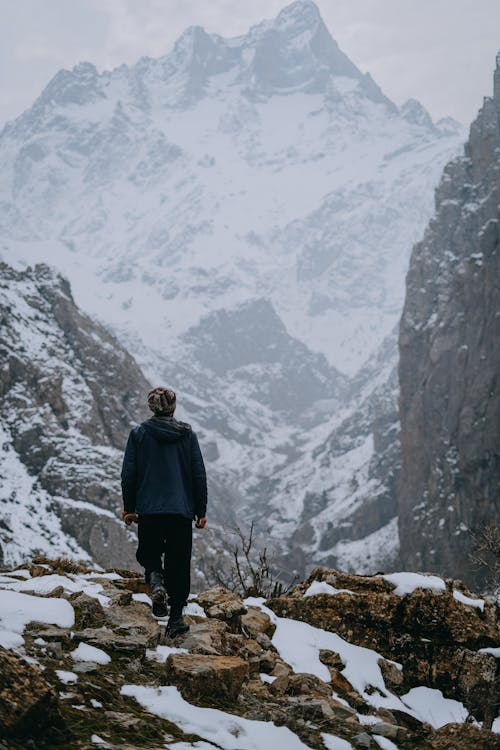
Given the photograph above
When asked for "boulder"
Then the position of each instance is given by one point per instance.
(89, 612)
(206, 677)
(254, 622)
(435, 636)
(220, 603)
(207, 637)
(110, 641)
(28, 704)
(134, 622)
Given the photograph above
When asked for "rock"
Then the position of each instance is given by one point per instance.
(55, 649)
(123, 599)
(361, 741)
(391, 731)
(221, 603)
(449, 364)
(264, 641)
(28, 704)
(89, 612)
(431, 634)
(393, 677)
(135, 622)
(49, 633)
(464, 737)
(254, 622)
(108, 640)
(268, 661)
(331, 659)
(280, 684)
(304, 683)
(199, 676)
(207, 637)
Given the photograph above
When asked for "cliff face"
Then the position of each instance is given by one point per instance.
(450, 361)
(69, 394)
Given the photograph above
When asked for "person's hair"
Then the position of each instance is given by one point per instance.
(162, 401)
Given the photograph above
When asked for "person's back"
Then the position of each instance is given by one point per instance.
(164, 488)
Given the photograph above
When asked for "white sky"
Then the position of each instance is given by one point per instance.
(441, 52)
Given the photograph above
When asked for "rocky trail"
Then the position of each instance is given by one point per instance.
(398, 662)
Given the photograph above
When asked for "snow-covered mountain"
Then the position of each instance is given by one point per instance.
(68, 395)
(240, 212)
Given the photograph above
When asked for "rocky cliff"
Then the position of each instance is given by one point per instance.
(69, 394)
(343, 662)
(450, 360)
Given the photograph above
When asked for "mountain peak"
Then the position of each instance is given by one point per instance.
(299, 16)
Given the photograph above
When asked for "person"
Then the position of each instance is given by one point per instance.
(164, 489)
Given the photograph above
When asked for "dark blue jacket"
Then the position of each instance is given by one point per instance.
(163, 470)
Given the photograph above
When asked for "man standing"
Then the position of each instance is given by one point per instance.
(164, 488)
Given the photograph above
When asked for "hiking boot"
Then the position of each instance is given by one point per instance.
(176, 624)
(158, 594)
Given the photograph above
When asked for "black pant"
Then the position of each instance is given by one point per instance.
(167, 536)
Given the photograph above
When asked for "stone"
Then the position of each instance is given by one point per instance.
(393, 677)
(135, 622)
(49, 633)
(361, 741)
(89, 612)
(207, 637)
(391, 731)
(202, 677)
(108, 640)
(331, 659)
(431, 634)
(264, 641)
(28, 704)
(268, 661)
(221, 603)
(123, 599)
(54, 649)
(254, 622)
(464, 737)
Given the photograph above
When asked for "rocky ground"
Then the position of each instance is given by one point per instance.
(341, 662)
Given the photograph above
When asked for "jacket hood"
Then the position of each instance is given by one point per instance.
(166, 429)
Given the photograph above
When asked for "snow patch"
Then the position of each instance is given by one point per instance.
(86, 652)
(226, 730)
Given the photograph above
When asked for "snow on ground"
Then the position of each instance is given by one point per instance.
(17, 610)
(431, 706)
(299, 644)
(70, 583)
(161, 653)
(478, 603)
(384, 743)
(66, 677)
(407, 583)
(332, 742)
(321, 587)
(144, 598)
(226, 730)
(86, 652)
(494, 651)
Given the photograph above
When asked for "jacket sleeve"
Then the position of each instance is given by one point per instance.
(129, 474)
(199, 478)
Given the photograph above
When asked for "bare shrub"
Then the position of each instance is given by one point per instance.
(251, 571)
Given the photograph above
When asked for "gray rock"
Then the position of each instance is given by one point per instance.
(449, 364)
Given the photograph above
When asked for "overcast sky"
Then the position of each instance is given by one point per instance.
(441, 52)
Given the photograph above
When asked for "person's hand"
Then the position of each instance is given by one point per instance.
(129, 518)
(200, 522)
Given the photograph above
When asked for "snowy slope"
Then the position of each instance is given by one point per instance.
(68, 396)
(240, 212)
